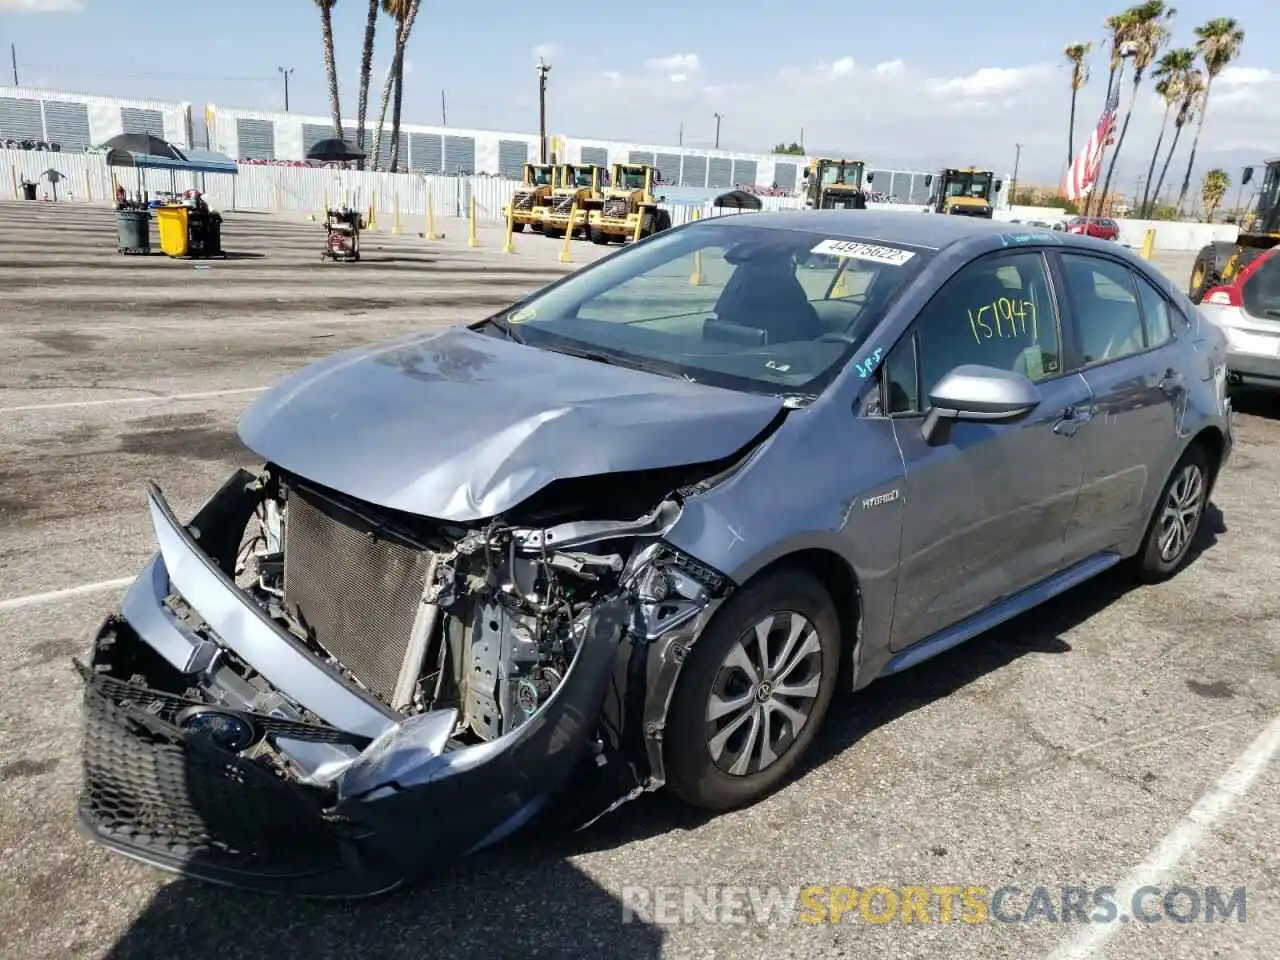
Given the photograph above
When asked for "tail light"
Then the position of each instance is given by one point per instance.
(1224, 296)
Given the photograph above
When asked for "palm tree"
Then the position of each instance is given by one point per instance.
(1170, 73)
(1147, 33)
(330, 65)
(1219, 43)
(1212, 188)
(1075, 54)
(366, 69)
(404, 12)
(1120, 26)
(1192, 83)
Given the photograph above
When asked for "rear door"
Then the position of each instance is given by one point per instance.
(986, 512)
(1125, 345)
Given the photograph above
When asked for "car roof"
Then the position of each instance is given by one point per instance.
(932, 231)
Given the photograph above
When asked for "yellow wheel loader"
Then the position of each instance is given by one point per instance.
(576, 186)
(963, 192)
(528, 204)
(831, 184)
(628, 203)
(1218, 262)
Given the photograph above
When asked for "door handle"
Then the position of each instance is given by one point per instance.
(1072, 419)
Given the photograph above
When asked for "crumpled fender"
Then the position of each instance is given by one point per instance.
(452, 803)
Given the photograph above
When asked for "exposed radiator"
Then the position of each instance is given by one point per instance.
(357, 589)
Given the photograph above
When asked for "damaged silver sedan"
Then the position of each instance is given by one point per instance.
(627, 534)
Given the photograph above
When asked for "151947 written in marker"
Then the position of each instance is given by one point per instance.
(1003, 319)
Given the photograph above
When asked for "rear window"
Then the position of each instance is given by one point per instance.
(1262, 290)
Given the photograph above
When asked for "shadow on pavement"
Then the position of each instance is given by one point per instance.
(1256, 402)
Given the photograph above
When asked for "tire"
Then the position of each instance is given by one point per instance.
(662, 222)
(1152, 563)
(694, 773)
(597, 236)
(555, 233)
(517, 228)
(1210, 265)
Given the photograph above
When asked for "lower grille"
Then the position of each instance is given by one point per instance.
(615, 207)
(564, 205)
(355, 587)
(523, 200)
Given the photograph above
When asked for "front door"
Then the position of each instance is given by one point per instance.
(1125, 348)
(986, 511)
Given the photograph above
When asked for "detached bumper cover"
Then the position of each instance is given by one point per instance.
(406, 804)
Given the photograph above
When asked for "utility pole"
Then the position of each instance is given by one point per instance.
(543, 69)
(718, 119)
(682, 133)
(1013, 187)
(13, 55)
(444, 114)
(802, 140)
(285, 73)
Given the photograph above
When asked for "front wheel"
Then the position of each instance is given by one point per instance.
(753, 692)
(1179, 512)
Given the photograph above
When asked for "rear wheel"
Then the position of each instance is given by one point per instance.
(596, 235)
(517, 228)
(753, 692)
(1210, 268)
(1177, 518)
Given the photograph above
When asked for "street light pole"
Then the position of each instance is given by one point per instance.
(718, 119)
(543, 69)
(1013, 187)
(285, 73)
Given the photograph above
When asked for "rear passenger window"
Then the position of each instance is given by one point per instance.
(1104, 307)
(1155, 313)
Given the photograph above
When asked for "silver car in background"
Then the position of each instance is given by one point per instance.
(633, 532)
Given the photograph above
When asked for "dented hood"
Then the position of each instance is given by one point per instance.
(461, 426)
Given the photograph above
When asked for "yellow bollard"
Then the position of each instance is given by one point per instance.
(13, 176)
(395, 223)
(431, 218)
(839, 289)
(373, 214)
(695, 277)
(472, 239)
(639, 223)
(1148, 244)
(509, 246)
(568, 234)
(88, 187)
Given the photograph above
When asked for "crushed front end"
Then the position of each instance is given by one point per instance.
(306, 694)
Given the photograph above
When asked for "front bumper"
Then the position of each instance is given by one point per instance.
(337, 797)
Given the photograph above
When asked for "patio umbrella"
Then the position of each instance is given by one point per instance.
(53, 176)
(737, 200)
(144, 144)
(334, 150)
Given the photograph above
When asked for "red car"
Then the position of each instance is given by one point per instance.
(1103, 228)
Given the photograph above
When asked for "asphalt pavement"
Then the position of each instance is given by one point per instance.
(1116, 737)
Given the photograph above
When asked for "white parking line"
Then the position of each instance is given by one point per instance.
(84, 590)
(206, 395)
(1181, 840)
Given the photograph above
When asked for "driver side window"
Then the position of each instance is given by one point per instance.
(997, 311)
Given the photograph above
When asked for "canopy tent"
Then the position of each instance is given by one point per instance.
(190, 161)
(737, 200)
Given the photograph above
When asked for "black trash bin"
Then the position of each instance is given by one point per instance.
(204, 234)
(28, 191)
(134, 228)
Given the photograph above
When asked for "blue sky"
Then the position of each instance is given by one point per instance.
(915, 85)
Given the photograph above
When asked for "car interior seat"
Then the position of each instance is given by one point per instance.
(766, 294)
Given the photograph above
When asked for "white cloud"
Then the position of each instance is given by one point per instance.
(890, 67)
(677, 63)
(547, 51)
(1245, 76)
(991, 80)
(41, 6)
(842, 66)
(679, 77)
(408, 67)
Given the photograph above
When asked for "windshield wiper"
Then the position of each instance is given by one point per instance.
(507, 328)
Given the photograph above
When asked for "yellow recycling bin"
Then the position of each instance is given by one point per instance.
(174, 234)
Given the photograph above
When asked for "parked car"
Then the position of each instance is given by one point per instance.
(632, 533)
(1104, 228)
(1248, 310)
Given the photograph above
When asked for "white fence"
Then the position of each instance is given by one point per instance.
(86, 177)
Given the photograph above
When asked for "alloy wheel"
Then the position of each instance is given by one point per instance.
(764, 693)
(1181, 513)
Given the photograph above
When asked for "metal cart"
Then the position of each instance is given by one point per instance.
(342, 235)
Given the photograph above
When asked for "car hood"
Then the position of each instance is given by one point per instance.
(462, 426)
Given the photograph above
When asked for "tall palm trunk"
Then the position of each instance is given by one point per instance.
(403, 27)
(1155, 155)
(1195, 144)
(1093, 202)
(1155, 194)
(1124, 128)
(1071, 130)
(366, 69)
(395, 118)
(330, 66)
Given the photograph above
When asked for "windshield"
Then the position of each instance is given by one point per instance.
(582, 178)
(632, 180)
(976, 185)
(541, 176)
(842, 174)
(1269, 201)
(748, 308)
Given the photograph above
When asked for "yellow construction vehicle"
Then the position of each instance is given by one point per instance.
(831, 184)
(627, 203)
(530, 199)
(963, 191)
(1218, 262)
(575, 186)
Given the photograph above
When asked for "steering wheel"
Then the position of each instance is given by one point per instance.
(830, 337)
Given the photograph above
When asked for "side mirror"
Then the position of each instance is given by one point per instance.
(977, 393)
(999, 185)
(806, 173)
(928, 180)
(869, 177)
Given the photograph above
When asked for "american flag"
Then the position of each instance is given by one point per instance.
(1084, 169)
